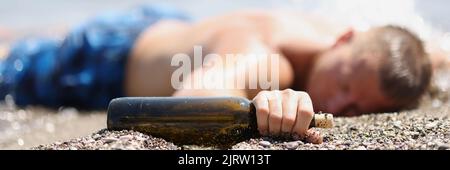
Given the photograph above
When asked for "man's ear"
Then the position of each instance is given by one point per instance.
(344, 38)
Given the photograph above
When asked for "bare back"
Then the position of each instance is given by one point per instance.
(149, 68)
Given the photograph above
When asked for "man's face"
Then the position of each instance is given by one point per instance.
(346, 84)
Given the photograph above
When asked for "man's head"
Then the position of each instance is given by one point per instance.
(382, 69)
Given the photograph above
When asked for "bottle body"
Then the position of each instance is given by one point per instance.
(209, 121)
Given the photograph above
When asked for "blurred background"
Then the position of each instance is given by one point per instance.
(24, 128)
(44, 15)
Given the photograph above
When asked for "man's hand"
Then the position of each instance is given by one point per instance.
(286, 111)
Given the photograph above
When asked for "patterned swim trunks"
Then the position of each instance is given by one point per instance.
(86, 69)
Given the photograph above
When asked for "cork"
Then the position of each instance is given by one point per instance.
(322, 120)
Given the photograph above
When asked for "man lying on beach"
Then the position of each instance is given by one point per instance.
(322, 67)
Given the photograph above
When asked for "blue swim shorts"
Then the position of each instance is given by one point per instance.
(86, 69)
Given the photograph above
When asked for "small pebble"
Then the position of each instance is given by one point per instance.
(397, 124)
(348, 143)
(109, 140)
(423, 146)
(265, 143)
(431, 125)
(139, 138)
(361, 148)
(96, 136)
(291, 145)
(126, 137)
(444, 147)
(414, 135)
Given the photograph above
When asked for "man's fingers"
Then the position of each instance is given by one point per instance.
(286, 111)
(290, 103)
(275, 113)
(262, 112)
(305, 114)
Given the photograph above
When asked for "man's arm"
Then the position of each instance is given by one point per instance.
(246, 49)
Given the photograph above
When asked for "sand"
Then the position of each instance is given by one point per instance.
(418, 129)
(424, 128)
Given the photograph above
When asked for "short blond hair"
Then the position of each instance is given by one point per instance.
(405, 68)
